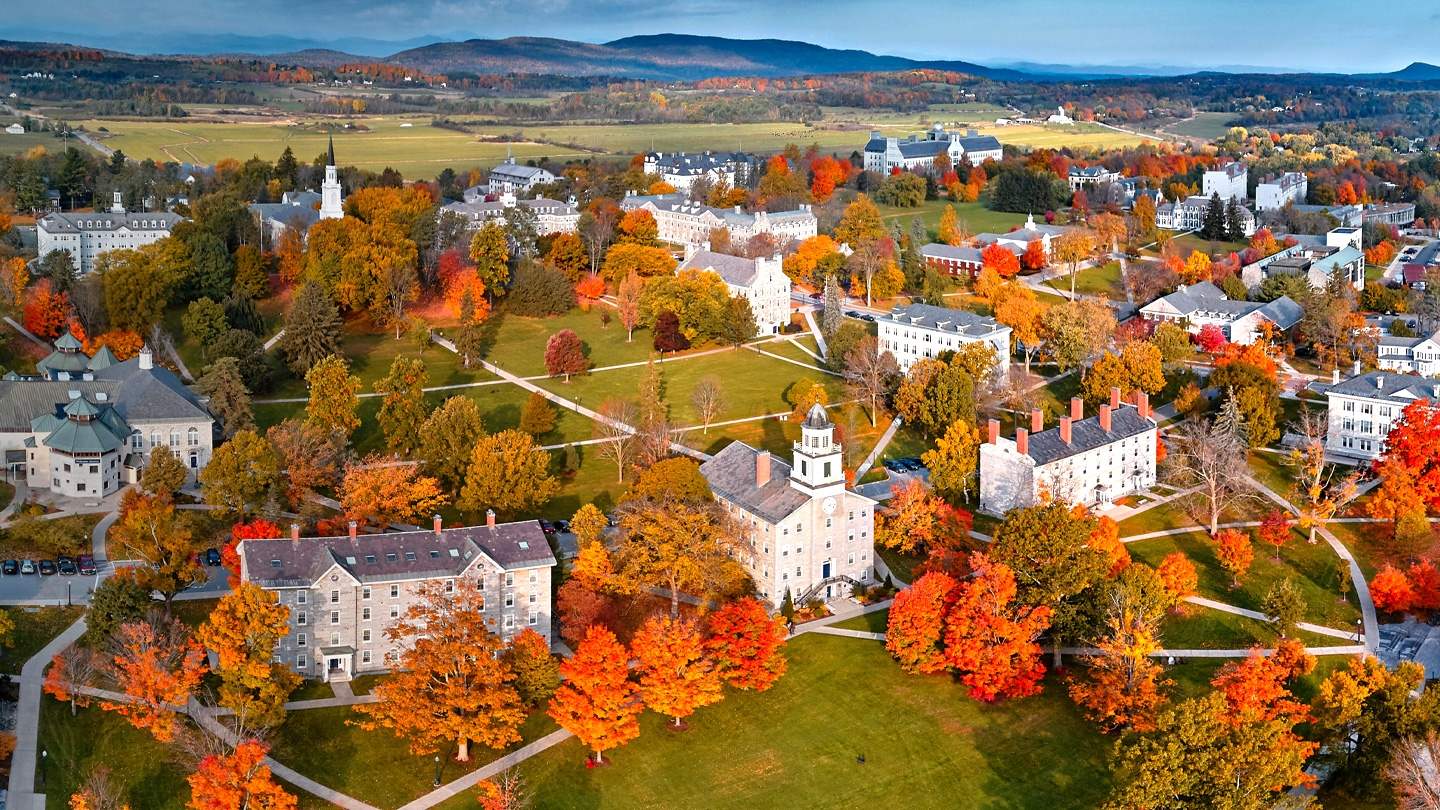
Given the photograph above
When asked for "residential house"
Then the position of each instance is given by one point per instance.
(1203, 304)
(1416, 355)
(1189, 215)
(1362, 409)
(344, 593)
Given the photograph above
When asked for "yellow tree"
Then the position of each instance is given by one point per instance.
(954, 461)
(1123, 685)
(677, 545)
(1316, 492)
(1072, 247)
(148, 529)
(334, 395)
(675, 677)
(243, 631)
(449, 683)
(951, 233)
(1022, 313)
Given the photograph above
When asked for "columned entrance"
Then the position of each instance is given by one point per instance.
(339, 663)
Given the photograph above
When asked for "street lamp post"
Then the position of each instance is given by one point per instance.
(437, 770)
(44, 756)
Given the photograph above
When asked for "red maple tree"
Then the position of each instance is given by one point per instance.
(992, 641)
(1425, 585)
(237, 781)
(744, 643)
(917, 623)
(1391, 590)
(45, 310)
(1178, 576)
(597, 702)
(1254, 688)
(675, 676)
(999, 259)
(1210, 339)
(1235, 553)
(565, 354)
(1275, 530)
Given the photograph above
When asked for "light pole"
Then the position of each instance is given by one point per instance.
(44, 757)
(437, 770)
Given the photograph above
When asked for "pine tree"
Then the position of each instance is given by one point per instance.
(833, 315)
(787, 607)
(241, 312)
(1234, 224)
(229, 399)
(652, 396)
(1231, 421)
(312, 329)
(572, 458)
(1214, 224)
(912, 261)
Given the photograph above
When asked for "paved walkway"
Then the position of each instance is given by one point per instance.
(879, 447)
(28, 334)
(794, 362)
(1255, 614)
(815, 330)
(495, 768)
(27, 722)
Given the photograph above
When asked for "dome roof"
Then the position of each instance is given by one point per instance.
(817, 418)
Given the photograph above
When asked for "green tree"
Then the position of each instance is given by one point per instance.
(136, 291)
(229, 399)
(402, 411)
(740, 326)
(491, 253)
(117, 600)
(204, 322)
(312, 329)
(1285, 606)
(508, 473)
(240, 472)
(249, 353)
(447, 440)
(164, 474)
(212, 270)
(540, 291)
(538, 416)
(241, 312)
(1213, 226)
(1049, 549)
(1173, 342)
(334, 395)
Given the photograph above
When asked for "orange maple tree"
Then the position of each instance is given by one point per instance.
(999, 259)
(1034, 257)
(1409, 468)
(1275, 530)
(1123, 685)
(990, 640)
(1292, 657)
(450, 684)
(1178, 576)
(744, 643)
(917, 623)
(243, 631)
(1235, 553)
(1424, 584)
(237, 781)
(73, 670)
(597, 702)
(675, 676)
(159, 666)
(590, 288)
(1106, 538)
(1391, 590)
(258, 529)
(45, 310)
(1254, 688)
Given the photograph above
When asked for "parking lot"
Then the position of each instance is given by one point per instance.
(60, 589)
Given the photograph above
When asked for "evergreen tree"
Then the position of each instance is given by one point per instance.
(1231, 421)
(1234, 223)
(653, 409)
(1213, 226)
(312, 329)
(740, 326)
(241, 312)
(229, 399)
(911, 260)
(212, 270)
(572, 458)
(833, 315)
(467, 342)
(286, 168)
(787, 607)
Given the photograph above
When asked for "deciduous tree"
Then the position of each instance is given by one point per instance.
(1178, 574)
(149, 530)
(990, 640)
(597, 701)
(447, 440)
(675, 676)
(402, 408)
(1235, 553)
(954, 462)
(238, 781)
(537, 673)
(871, 374)
(565, 354)
(73, 670)
(1123, 685)
(240, 472)
(243, 632)
(311, 455)
(389, 493)
(916, 629)
(449, 684)
(678, 545)
(164, 473)
(334, 395)
(1275, 530)
(616, 431)
(1391, 590)
(508, 473)
(156, 663)
(745, 643)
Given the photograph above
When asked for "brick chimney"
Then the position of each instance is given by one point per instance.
(762, 468)
(490, 518)
(438, 524)
(1142, 404)
(994, 436)
(1037, 420)
(1114, 399)
(1065, 429)
(1077, 409)
(354, 530)
(1022, 441)
(1105, 415)
(295, 533)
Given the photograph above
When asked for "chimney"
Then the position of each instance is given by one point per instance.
(762, 468)
(1065, 429)
(1142, 404)
(1037, 420)
(354, 530)
(490, 518)
(1077, 409)
(994, 437)
(1114, 398)
(1356, 370)
(1105, 417)
(295, 533)
(438, 525)
(1022, 441)
(1335, 376)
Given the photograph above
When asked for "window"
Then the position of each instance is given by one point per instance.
(67, 468)
(510, 600)
(300, 597)
(365, 592)
(798, 571)
(365, 655)
(449, 586)
(534, 617)
(137, 441)
(334, 617)
(534, 597)
(509, 622)
(301, 619)
(409, 556)
(394, 611)
(334, 597)
(79, 487)
(852, 514)
(827, 469)
(509, 579)
(827, 542)
(534, 577)
(300, 662)
(365, 614)
(394, 591)
(797, 549)
(391, 558)
(154, 438)
(175, 437)
(851, 559)
(369, 559)
(434, 555)
(300, 640)
(334, 639)
(827, 523)
(193, 437)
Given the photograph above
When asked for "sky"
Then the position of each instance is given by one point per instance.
(1317, 35)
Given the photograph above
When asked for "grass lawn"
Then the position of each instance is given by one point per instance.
(517, 344)
(1312, 567)
(1103, 281)
(76, 529)
(34, 628)
(902, 566)
(1156, 519)
(1192, 241)
(875, 622)
(926, 745)
(375, 767)
(371, 354)
(785, 348)
(1271, 470)
(1373, 544)
(192, 612)
(1202, 628)
(1207, 125)
(147, 774)
(978, 216)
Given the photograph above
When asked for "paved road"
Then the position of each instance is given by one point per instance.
(59, 589)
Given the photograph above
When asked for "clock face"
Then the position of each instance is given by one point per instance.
(829, 506)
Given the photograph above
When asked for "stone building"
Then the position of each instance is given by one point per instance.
(761, 281)
(682, 222)
(344, 592)
(921, 330)
(86, 235)
(809, 533)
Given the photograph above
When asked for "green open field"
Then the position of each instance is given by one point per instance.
(34, 628)
(20, 144)
(1103, 281)
(1208, 125)
(926, 745)
(977, 216)
(149, 778)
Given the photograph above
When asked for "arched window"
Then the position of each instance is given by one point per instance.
(194, 436)
(154, 438)
(137, 440)
(174, 437)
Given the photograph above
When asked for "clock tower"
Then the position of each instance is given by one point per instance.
(818, 470)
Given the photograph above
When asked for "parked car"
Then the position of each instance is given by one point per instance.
(47, 567)
(86, 564)
(66, 566)
(27, 567)
(850, 313)
(867, 317)
(892, 465)
(212, 556)
(912, 464)
(562, 526)
(11, 567)
(547, 527)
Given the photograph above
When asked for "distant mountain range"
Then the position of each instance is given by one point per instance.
(669, 57)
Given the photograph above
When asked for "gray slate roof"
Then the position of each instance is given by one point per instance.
(1206, 297)
(108, 221)
(944, 319)
(731, 474)
(397, 556)
(940, 250)
(156, 394)
(1401, 389)
(735, 270)
(1047, 446)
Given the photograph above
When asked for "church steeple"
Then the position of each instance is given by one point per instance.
(331, 204)
(330, 160)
